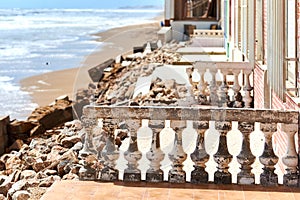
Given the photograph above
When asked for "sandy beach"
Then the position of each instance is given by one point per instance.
(45, 88)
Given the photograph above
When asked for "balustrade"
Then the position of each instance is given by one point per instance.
(212, 85)
(223, 118)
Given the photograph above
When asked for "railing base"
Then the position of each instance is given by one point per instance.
(177, 178)
(198, 177)
(155, 177)
(245, 179)
(222, 178)
(132, 177)
(109, 175)
(291, 180)
(269, 179)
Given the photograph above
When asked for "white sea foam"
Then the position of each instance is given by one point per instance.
(35, 41)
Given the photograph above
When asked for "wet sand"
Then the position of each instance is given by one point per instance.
(45, 88)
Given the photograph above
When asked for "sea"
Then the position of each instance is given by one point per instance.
(36, 41)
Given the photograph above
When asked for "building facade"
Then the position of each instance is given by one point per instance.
(265, 33)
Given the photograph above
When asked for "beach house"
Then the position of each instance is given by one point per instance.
(249, 48)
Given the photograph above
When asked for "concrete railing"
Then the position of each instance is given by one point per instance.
(224, 84)
(104, 167)
(208, 33)
(207, 38)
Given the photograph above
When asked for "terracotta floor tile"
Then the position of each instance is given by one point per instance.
(205, 194)
(89, 190)
(158, 193)
(253, 195)
(181, 194)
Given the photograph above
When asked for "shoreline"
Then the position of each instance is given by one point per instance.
(45, 88)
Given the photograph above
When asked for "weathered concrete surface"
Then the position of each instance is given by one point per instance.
(4, 121)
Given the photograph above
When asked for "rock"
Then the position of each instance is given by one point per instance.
(77, 147)
(27, 174)
(19, 185)
(13, 163)
(57, 117)
(38, 130)
(17, 145)
(50, 172)
(6, 184)
(40, 175)
(4, 122)
(70, 176)
(2, 197)
(62, 168)
(47, 182)
(96, 73)
(62, 98)
(21, 195)
(36, 192)
(40, 164)
(170, 84)
(2, 165)
(20, 127)
(68, 142)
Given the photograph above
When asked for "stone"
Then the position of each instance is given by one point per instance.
(17, 186)
(50, 172)
(40, 175)
(36, 192)
(21, 195)
(57, 117)
(77, 147)
(38, 130)
(70, 176)
(4, 122)
(96, 73)
(2, 165)
(47, 182)
(13, 163)
(40, 164)
(20, 127)
(170, 83)
(62, 168)
(68, 142)
(17, 145)
(6, 184)
(27, 174)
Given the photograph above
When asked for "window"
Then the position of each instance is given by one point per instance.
(196, 9)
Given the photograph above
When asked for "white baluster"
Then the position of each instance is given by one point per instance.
(268, 158)
(223, 157)
(202, 88)
(177, 155)
(110, 155)
(155, 155)
(291, 177)
(247, 88)
(223, 90)
(213, 96)
(200, 156)
(246, 158)
(238, 99)
(133, 155)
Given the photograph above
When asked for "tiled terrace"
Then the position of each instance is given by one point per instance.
(83, 190)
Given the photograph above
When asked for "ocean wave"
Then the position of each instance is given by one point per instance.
(5, 79)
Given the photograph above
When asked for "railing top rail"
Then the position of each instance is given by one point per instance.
(192, 113)
(222, 65)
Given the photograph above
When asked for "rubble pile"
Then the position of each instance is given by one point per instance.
(118, 79)
(56, 155)
(166, 92)
(40, 120)
(49, 146)
(27, 173)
